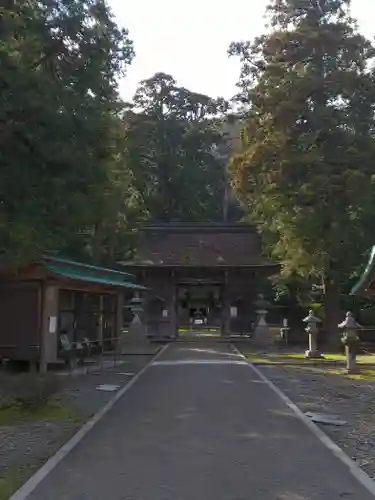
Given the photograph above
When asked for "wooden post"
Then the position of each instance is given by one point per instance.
(173, 307)
(119, 323)
(49, 327)
(100, 322)
(225, 330)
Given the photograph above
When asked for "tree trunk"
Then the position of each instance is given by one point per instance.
(97, 243)
(331, 311)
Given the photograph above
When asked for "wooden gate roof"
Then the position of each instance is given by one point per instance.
(200, 245)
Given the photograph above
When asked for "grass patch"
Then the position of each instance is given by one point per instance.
(9, 484)
(297, 358)
(332, 364)
(365, 374)
(13, 480)
(16, 414)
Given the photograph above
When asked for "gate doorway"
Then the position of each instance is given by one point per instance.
(199, 309)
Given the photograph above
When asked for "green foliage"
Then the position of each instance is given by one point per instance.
(58, 102)
(80, 169)
(173, 143)
(304, 170)
(366, 316)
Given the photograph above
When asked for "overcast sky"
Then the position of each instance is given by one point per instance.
(189, 39)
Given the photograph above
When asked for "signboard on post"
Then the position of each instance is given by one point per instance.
(233, 312)
(52, 324)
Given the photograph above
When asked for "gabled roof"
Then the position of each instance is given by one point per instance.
(78, 271)
(208, 245)
(367, 277)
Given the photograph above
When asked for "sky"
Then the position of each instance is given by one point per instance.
(189, 39)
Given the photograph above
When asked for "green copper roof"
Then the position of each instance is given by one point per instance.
(90, 274)
(367, 277)
(81, 265)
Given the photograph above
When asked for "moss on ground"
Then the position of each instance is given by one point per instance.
(13, 480)
(9, 484)
(15, 414)
(332, 364)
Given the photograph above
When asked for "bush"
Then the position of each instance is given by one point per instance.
(32, 391)
(318, 309)
(6, 398)
(366, 316)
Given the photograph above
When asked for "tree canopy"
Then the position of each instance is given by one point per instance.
(304, 170)
(81, 169)
(173, 140)
(60, 62)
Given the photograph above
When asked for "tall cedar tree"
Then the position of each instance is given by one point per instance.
(305, 167)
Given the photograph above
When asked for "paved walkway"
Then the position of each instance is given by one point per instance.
(200, 431)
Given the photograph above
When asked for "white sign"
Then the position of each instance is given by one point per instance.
(165, 313)
(233, 312)
(108, 387)
(52, 324)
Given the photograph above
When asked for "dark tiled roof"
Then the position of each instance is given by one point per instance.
(203, 245)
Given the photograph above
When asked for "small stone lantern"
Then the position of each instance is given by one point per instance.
(350, 340)
(312, 329)
(136, 340)
(261, 306)
(136, 305)
(284, 331)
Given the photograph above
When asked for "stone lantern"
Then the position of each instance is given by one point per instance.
(135, 340)
(350, 340)
(262, 332)
(136, 305)
(312, 322)
(284, 331)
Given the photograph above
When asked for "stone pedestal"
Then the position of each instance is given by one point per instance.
(351, 359)
(262, 334)
(313, 351)
(135, 341)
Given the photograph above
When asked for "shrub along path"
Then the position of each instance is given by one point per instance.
(29, 438)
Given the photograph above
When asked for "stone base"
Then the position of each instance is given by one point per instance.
(263, 336)
(313, 354)
(353, 371)
(136, 341)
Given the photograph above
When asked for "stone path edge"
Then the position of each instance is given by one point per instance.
(356, 471)
(24, 491)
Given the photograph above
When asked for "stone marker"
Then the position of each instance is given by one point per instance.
(350, 340)
(312, 329)
(284, 331)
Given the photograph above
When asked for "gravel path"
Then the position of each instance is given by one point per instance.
(26, 446)
(199, 425)
(351, 400)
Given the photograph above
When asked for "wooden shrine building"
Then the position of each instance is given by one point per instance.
(200, 270)
(53, 302)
